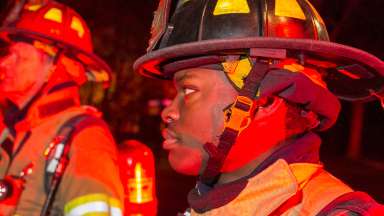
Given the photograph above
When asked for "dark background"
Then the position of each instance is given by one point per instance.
(131, 107)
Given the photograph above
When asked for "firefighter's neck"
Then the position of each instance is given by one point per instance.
(245, 170)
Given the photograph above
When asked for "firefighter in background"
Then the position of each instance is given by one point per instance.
(46, 54)
(254, 82)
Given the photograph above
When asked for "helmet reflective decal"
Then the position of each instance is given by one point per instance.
(33, 7)
(77, 26)
(54, 14)
(231, 7)
(237, 71)
(289, 8)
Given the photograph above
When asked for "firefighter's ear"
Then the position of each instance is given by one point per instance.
(266, 101)
(271, 104)
(268, 106)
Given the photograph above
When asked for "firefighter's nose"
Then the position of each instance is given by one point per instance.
(170, 113)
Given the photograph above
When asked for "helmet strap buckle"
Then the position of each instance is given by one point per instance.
(239, 115)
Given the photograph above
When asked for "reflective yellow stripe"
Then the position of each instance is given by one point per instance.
(95, 208)
(289, 8)
(93, 204)
(77, 26)
(54, 14)
(231, 7)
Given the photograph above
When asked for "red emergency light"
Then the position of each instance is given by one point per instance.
(137, 172)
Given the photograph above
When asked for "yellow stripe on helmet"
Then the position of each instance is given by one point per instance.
(231, 7)
(289, 8)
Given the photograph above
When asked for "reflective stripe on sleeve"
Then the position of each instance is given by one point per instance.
(93, 204)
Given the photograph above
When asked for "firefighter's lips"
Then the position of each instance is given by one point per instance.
(170, 139)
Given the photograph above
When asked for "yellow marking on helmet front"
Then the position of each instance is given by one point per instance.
(289, 8)
(231, 7)
(54, 14)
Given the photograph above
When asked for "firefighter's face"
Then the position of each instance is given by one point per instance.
(20, 69)
(195, 117)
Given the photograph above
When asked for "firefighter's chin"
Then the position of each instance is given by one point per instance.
(185, 160)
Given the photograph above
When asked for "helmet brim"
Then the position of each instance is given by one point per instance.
(90, 60)
(338, 54)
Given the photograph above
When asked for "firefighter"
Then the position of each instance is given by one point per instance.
(255, 81)
(57, 157)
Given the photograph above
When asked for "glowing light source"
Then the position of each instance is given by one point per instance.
(138, 175)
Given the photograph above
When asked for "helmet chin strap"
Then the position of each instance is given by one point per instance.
(240, 114)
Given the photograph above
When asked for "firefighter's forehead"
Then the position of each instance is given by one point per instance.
(194, 74)
(18, 45)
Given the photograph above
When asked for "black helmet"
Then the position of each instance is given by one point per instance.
(275, 29)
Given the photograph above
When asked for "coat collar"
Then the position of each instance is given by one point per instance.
(41, 108)
(304, 149)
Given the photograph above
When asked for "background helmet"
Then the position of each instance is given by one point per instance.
(274, 29)
(56, 24)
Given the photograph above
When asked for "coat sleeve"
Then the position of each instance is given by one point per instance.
(91, 183)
